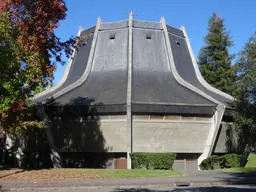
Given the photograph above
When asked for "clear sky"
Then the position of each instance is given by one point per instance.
(239, 15)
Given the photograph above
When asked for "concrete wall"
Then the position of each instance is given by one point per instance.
(169, 136)
(180, 134)
(227, 139)
(90, 136)
(151, 133)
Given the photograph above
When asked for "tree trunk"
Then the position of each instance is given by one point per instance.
(55, 156)
(19, 157)
(245, 155)
(10, 144)
(246, 152)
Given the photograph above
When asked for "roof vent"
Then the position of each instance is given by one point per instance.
(148, 36)
(177, 43)
(112, 36)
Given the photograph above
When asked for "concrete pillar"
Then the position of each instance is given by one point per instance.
(129, 96)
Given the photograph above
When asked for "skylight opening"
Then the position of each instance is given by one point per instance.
(177, 43)
(148, 36)
(112, 36)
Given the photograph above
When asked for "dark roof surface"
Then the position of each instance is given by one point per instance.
(79, 63)
(154, 86)
(153, 81)
(183, 61)
(107, 81)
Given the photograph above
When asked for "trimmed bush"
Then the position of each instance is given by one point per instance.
(220, 162)
(152, 160)
(138, 160)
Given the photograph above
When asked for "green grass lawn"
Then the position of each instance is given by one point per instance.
(59, 174)
(135, 173)
(251, 161)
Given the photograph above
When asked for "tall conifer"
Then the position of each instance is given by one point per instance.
(214, 58)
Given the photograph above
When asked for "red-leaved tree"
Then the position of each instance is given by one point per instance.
(29, 53)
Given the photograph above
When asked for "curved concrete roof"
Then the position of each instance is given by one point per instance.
(162, 80)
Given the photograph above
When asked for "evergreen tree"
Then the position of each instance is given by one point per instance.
(214, 58)
(245, 104)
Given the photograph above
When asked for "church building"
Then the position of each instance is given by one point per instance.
(135, 86)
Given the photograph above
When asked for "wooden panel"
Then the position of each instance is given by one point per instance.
(120, 163)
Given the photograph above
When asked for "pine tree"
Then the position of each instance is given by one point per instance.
(214, 58)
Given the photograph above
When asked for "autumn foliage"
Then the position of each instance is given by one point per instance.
(29, 53)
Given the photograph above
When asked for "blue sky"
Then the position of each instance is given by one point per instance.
(194, 14)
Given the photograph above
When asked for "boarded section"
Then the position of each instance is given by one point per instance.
(146, 24)
(186, 161)
(114, 25)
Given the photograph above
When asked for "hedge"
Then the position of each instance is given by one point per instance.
(152, 160)
(220, 162)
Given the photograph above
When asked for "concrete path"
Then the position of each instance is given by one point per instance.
(197, 178)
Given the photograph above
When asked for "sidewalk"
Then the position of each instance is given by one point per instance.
(197, 178)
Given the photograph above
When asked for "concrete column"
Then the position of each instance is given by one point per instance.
(212, 135)
(129, 96)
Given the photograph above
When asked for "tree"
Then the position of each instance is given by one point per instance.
(214, 58)
(245, 104)
(29, 53)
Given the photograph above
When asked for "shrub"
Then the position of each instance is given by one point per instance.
(213, 162)
(232, 160)
(152, 160)
(138, 160)
(221, 162)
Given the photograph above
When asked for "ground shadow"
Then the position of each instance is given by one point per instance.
(235, 178)
(9, 174)
(189, 189)
(35, 147)
(75, 127)
(232, 141)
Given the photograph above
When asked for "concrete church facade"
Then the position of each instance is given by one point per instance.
(142, 81)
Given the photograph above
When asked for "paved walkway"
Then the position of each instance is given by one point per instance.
(196, 178)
